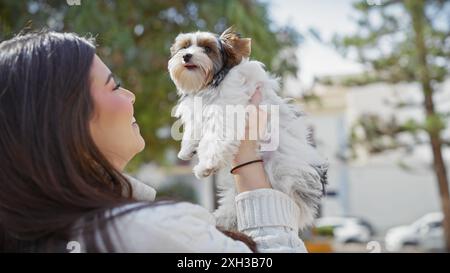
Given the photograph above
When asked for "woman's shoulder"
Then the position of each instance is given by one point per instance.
(167, 227)
(163, 213)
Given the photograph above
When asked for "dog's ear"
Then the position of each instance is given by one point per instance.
(175, 46)
(234, 46)
(182, 40)
(173, 49)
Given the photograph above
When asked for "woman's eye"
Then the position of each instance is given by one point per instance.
(207, 49)
(117, 86)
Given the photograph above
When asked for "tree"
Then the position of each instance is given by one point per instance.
(397, 48)
(134, 38)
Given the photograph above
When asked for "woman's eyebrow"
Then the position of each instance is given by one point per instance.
(110, 76)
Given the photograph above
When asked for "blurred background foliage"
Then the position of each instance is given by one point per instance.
(134, 37)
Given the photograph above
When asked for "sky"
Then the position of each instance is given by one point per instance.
(327, 17)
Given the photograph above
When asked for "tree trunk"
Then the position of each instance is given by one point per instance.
(417, 11)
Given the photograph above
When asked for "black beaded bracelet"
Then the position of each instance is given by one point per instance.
(244, 164)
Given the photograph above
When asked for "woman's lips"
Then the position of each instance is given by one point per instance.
(134, 123)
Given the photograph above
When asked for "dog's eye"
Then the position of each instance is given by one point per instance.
(207, 49)
(186, 46)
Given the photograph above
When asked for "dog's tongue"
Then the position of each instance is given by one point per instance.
(190, 65)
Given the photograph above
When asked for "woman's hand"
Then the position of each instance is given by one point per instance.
(252, 176)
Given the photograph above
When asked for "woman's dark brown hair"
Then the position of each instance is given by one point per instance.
(51, 173)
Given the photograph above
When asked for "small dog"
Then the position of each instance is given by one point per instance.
(217, 70)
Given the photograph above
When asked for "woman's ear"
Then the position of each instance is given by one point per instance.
(235, 47)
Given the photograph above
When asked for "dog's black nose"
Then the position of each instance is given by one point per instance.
(187, 57)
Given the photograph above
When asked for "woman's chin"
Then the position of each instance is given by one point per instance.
(139, 139)
(140, 145)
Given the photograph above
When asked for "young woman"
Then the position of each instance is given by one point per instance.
(67, 132)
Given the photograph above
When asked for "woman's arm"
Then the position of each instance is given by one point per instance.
(266, 215)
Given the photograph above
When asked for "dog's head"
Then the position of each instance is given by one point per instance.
(199, 59)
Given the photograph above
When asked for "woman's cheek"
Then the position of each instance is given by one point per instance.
(118, 113)
(114, 116)
(121, 106)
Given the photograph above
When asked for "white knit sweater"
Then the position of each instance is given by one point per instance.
(266, 215)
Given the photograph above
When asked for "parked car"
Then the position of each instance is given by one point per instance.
(426, 233)
(432, 237)
(346, 229)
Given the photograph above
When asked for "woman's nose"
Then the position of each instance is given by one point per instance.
(130, 94)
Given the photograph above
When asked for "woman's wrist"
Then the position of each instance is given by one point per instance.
(247, 151)
(251, 176)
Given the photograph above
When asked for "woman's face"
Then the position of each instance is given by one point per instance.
(113, 127)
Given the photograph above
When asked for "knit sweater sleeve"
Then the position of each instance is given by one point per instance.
(266, 215)
(269, 217)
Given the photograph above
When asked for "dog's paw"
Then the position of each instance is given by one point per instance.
(186, 155)
(202, 171)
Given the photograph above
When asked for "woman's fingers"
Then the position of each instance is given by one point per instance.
(257, 97)
(262, 123)
(257, 117)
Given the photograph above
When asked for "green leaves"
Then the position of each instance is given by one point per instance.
(434, 124)
(385, 41)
